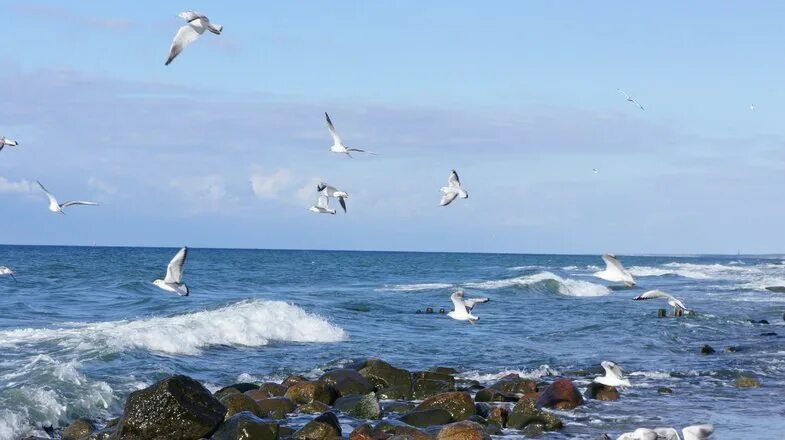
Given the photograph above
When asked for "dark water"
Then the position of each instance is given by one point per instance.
(83, 327)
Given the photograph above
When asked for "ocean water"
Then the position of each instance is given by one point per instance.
(84, 327)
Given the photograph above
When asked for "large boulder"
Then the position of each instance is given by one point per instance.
(276, 407)
(526, 413)
(561, 394)
(465, 430)
(598, 391)
(237, 388)
(427, 417)
(293, 379)
(175, 408)
(390, 382)
(346, 381)
(498, 415)
(314, 407)
(360, 406)
(323, 427)
(266, 390)
(398, 407)
(387, 428)
(363, 432)
(246, 426)
(514, 384)
(428, 383)
(494, 395)
(311, 391)
(237, 403)
(79, 429)
(458, 403)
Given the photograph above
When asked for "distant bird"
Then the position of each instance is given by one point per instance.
(462, 310)
(631, 99)
(452, 190)
(5, 142)
(338, 145)
(595, 170)
(331, 191)
(197, 24)
(674, 302)
(615, 272)
(58, 207)
(322, 205)
(5, 270)
(752, 107)
(614, 375)
(698, 432)
(173, 282)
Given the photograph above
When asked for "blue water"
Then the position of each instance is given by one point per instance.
(83, 327)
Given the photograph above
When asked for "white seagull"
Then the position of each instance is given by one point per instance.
(331, 191)
(657, 294)
(58, 207)
(698, 432)
(5, 142)
(615, 272)
(197, 24)
(174, 275)
(338, 145)
(630, 99)
(639, 434)
(322, 205)
(694, 432)
(5, 270)
(452, 190)
(752, 107)
(614, 375)
(463, 307)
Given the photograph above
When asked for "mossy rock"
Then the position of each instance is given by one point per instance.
(311, 391)
(246, 426)
(747, 382)
(78, 429)
(323, 427)
(276, 408)
(360, 406)
(428, 417)
(458, 403)
(347, 382)
(526, 413)
(237, 403)
(391, 382)
(465, 430)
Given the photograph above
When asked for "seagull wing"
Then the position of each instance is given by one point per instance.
(77, 202)
(613, 368)
(361, 151)
(698, 432)
(323, 202)
(191, 15)
(331, 127)
(453, 180)
(327, 190)
(174, 272)
(611, 263)
(626, 96)
(638, 104)
(185, 36)
(342, 201)
(667, 433)
(457, 302)
(448, 197)
(471, 302)
(52, 198)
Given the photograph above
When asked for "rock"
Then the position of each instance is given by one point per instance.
(309, 391)
(599, 391)
(458, 403)
(285, 432)
(266, 390)
(323, 427)
(429, 383)
(177, 407)
(108, 433)
(664, 390)
(398, 407)
(468, 385)
(390, 382)
(276, 408)
(561, 394)
(246, 426)
(237, 388)
(362, 432)
(293, 379)
(769, 334)
(494, 395)
(346, 382)
(732, 349)
(498, 415)
(526, 413)
(428, 417)
(237, 403)
(747, 382)
(493, 429)
(514, 384)
(482, 409)
(314, 407)
(79, 429)
(362, 407)
(707, 349)
(396, 428)
(444, 370)
(465, 430)
(762, 321)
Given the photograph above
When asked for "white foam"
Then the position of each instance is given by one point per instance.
(415, 287)
(541, 371)
(646, 271)
(248, 323)
(566, 286)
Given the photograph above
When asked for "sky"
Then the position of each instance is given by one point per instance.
(224, 147)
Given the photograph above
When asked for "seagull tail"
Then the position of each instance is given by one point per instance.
(215, 28)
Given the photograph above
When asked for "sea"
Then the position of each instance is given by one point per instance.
(82, 327)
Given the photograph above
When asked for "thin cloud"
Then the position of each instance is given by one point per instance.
(19, 187)
(66, 16)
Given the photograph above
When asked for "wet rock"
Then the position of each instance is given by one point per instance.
(707, 349)
(246, 426)
(323, 427)
(237, 388)
(482, 409)
(79, 429)
(762, 321)
(444, 370)
(598, 391)
(467, 385)
(747, 382)
(276, 408)
(493, 429)
(237, 403)
(498, 415)
(175, 408)
(769, 334)
(514, 384)
(732, 349)
(266, 390)
(561, 394)
(311, 391)
(363, 432)
(285, 432)
(108, 433)
(426, 384)
(478, 419)
(360, 406)
(458, 403)
(390, 382)
(314, 407)
(664, 390)
(346, 381)
(428, 417)
(397, 428)
(526, 413)
(293, 379)
(494, 395)
(398, 407)
(465, 430)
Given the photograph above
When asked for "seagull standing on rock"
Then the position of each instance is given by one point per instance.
(338, 145)
(196, 25)
(614, 375)
(331, 191)
(173, 282)
(58, 207)
(452, 190)
(5, 142)
(674, 302)
(615, 272)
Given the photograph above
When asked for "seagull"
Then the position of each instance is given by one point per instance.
(698, 432)
(595, 170)
(752, 107)
(452, 190)
(197, 24)
(615, 272)
(322, 205)
(331, 191)
(5, 270)
(667, 434)
(5, 142)
(174, 275)
(655, 294)
(614, 375)
(639, 434)
(338, 146)
(631, 99)
(463, 307)
(58, 207)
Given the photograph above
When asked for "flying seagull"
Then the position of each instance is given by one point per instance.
(630, 99)
(197, 23)
(174, 275)
(338, 146)
(58, 207)
(595, 170)
(656, 294)
(322, 205)
(5, 142)
(452, 190)
(331, 191)
(463, 307)
(698, 432)
(614, 375)
(5, 270)
(615, 272)
(752, 107)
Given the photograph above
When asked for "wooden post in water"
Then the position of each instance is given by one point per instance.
(678, 313)
(661, 313)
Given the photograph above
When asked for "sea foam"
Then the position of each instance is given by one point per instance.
(564, 286)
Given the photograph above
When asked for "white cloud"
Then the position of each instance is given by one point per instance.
(204, 193)
(270, 186)
(21, 187)
(101, 186)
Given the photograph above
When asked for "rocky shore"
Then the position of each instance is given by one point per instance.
(377, 400)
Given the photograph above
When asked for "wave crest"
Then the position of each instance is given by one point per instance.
(564, 286)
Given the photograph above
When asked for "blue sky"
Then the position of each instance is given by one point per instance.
(223, 147)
